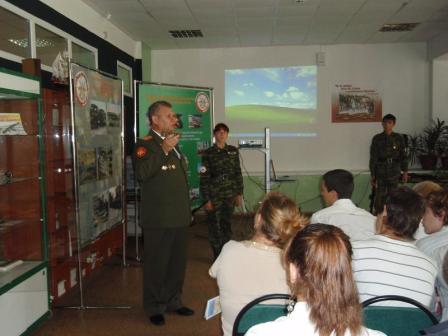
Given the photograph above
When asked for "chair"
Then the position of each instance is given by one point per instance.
(397, 321)
(256, 312)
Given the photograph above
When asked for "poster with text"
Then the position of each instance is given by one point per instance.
(98, 119)
(194, 110)
(355, 103)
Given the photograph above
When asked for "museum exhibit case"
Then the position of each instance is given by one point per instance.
(24, 298)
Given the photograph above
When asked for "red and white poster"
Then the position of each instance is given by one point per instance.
(355, 103)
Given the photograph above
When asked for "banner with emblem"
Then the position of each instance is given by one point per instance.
(194, 109)
(97, 112)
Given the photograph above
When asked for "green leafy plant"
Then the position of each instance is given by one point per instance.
(428, 142)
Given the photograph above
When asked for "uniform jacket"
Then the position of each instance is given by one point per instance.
(221, 173)
(163, 183)
(387, 156)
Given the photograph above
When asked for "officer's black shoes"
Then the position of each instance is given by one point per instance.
(157, 319)
(184, 311)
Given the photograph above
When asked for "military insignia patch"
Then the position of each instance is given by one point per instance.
(141, 151)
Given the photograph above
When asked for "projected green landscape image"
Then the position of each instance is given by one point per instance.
(283, 99)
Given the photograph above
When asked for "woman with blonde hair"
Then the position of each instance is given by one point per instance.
(248, 269)
(320, 274)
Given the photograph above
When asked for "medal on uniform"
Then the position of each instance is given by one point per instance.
(164, 167)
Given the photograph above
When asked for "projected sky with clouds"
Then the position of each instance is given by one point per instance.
(283, 99)
(293, 87)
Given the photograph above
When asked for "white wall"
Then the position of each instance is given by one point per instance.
(84, 15)
(401, 71)
(440, 85)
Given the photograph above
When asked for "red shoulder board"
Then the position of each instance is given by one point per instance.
(148, 137)
(141, 151)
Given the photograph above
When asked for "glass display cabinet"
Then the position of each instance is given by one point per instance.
(24, 299)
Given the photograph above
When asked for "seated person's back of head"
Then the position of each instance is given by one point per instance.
(320, 274)
(246, 270)
(336, 191)
(435, 245)
(424, 188)
(390, 263)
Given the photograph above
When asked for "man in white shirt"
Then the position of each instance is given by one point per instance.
(336, 189)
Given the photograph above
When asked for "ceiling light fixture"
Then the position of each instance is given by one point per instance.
(186, 33)
(398, 27)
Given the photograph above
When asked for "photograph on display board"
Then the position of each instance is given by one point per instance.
(355, 103)
(201, 146)
(114, 116)
(115, 204)
(100, 211)
(194, 194)
(87, 165)
(195, 121)
(97, 113)
(104, 156)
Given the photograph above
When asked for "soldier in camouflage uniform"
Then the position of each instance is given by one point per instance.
(388, 160)
(221, 186)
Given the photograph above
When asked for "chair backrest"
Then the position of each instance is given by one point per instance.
(397, 321)
(256, 312)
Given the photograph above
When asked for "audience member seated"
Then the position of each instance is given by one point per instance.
(435, 222)
(424, 188)
(390, 263)
(248, 269)
(336, 190)
(320, 276)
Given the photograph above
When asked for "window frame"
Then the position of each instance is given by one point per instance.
(33, 20)
(129, 69)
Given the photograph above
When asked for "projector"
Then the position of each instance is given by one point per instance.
(250, 143)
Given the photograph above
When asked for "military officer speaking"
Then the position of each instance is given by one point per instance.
(160, 169)
(388, 160)
(221, 186)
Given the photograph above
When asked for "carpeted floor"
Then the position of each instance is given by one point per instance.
(115, 285)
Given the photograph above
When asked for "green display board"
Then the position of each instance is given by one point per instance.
(194, 109)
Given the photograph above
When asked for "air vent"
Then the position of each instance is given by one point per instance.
(186, 33)
(398, 27)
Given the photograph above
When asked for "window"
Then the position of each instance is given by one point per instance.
(83, 56)
(48, 45)
(124, 72)
(14, 34)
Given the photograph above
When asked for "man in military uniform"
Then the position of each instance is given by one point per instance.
(388, 160)
(160, 169)
(221, 186)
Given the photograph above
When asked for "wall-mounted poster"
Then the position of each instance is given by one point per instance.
(98, 121)
(355, 103)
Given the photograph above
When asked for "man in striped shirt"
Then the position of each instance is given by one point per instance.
(390, 263)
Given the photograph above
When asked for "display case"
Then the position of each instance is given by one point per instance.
(24, 296)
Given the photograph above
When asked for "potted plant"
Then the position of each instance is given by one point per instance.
(443, 149)
(428, 144)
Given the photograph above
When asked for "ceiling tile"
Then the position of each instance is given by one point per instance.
(274, 22)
